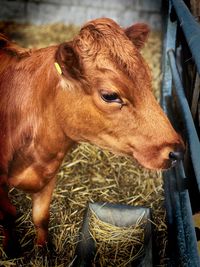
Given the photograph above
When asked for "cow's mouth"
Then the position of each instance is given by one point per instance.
(159, 159)
(155, 165)
(173, 163)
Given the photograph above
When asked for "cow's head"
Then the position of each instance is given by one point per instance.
(106, 95)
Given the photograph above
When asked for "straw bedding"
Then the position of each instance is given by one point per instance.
(117, 246)
(88, 174)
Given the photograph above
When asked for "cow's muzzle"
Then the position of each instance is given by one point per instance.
(175, 156)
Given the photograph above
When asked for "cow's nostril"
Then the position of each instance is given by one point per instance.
(178, 155)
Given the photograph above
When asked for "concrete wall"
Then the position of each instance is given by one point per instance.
(77, 12)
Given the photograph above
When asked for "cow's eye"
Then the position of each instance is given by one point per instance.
(111, 97)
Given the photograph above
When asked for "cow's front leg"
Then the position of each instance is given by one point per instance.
(7, 220)
(40, 211)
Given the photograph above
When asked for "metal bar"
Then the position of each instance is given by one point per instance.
(192, 136)
(182, 238)
(188, 224)
(169, 42)
(191, 29)
(174, 221)
(195, 97)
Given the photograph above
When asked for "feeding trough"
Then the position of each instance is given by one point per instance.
(114, 235)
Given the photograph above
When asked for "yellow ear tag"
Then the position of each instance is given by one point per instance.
(58, 68)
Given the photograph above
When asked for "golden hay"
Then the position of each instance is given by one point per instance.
(117, 246)
(88, 174)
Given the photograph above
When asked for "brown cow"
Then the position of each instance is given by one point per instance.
(96, 88)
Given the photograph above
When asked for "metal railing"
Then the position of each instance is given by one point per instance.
(183, 249)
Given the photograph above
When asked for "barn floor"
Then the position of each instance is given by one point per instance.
(87, 175)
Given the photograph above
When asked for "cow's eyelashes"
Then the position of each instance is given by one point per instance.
(111, 97)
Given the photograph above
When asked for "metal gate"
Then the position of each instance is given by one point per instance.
(180, 100)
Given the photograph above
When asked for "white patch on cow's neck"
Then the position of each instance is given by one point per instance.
(65, 84)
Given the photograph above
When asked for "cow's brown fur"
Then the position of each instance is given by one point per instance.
(43, 113)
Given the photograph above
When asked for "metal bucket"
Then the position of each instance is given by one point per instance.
(117, 215)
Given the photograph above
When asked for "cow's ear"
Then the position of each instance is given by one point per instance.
(69, 61)
(138, 34)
